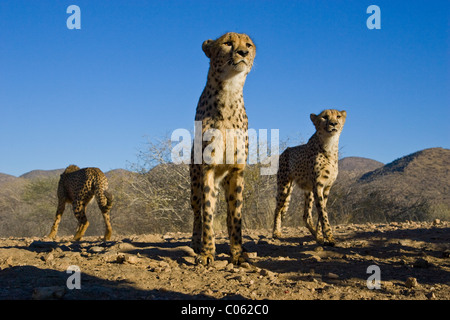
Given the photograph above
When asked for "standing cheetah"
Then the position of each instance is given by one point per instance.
(78, 187)
(314, 168)
(221, 107)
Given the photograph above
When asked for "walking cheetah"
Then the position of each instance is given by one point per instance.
(78, 187)
(221, 107)
(314, 168)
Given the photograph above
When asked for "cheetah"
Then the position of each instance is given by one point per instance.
(314, 168)
(221, 108)
(78, 187)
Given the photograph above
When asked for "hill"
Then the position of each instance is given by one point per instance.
(6, 178)
(423, 174)
(411, 187)
(358, 164)
(41, 173)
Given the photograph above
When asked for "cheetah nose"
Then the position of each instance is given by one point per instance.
(334, 124)
(242, 53)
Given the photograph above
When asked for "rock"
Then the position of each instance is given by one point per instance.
(411, 282)
(314, 258)
(9, 261)
(431, 295)
(49, 257)
(132, 259)
(229, 267)
(220, 264)
(245, 265)
(267, 273)
(331, 275)
(96, 249)
(120, 258)
(46, 293)
(250, 255)
(421, 263)
(436, 222)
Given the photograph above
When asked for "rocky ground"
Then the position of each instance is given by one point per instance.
(413, 261)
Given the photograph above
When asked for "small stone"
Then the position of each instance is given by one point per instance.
(250, 255)
(314, 258)
(96, 249)
(9, 261)
(267, 273)
(240, 278)
(411, 282)
(421, 263)
(431, 295)
(132, 259)
(331, 275)
(436, 222)
(220, 264)
(229, 267)
(245, 265)
(120, 258)
(49, 257)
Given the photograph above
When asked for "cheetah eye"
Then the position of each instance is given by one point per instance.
(228, 43)
(325, 117)
(338, 117)
(249, 45)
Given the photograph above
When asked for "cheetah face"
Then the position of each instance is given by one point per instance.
(230, 54)
(329, 122)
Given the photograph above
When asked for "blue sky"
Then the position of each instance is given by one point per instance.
(135, 71)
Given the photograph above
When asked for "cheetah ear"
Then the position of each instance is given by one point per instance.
(343, 113)
(206, 46)
(313, 118)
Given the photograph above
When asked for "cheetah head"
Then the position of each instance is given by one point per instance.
(231, 54)
(71, 168)
(329, 122)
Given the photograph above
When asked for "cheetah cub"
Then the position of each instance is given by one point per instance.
(314, 168)
(221, 108)
(78, 187)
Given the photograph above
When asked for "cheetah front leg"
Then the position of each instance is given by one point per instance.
(234, 193)
(320, 197)
(307, 216)
(196, 200)
(207, 253)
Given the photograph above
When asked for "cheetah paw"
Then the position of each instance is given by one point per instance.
(206, 259)
(329, 242)
(276, 234)
(238, 259)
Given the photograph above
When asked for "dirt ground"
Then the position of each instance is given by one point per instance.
(412, 260)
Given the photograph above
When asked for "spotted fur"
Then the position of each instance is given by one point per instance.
(78, 187)
(221, 106)
(314, 168)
